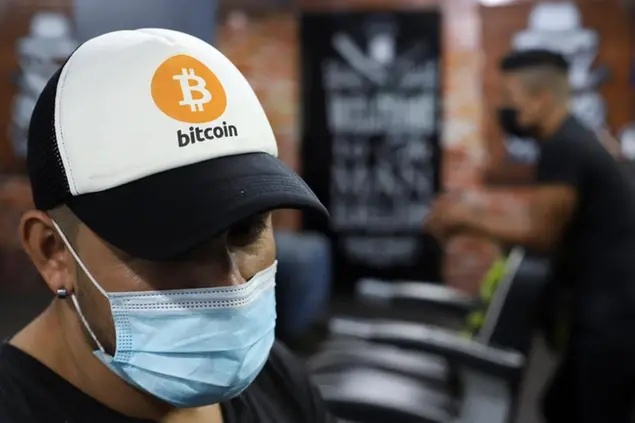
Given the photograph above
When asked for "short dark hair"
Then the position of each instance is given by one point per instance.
(526, 59)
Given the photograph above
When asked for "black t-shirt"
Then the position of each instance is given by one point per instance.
(596, 256)
(32, 393)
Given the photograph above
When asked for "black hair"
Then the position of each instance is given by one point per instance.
(526, 59)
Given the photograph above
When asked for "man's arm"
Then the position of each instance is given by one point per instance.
(505, 173)
(539, 226)
(552, 201)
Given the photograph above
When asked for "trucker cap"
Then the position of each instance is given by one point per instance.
(156, 142)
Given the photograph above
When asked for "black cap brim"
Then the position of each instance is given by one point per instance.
(162, 216)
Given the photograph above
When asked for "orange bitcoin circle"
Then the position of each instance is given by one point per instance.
(186, 90)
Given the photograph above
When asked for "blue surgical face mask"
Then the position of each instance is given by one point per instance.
(190, 347)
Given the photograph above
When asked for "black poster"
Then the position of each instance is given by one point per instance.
(370, 138)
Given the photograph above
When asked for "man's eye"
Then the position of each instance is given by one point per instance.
(248, 231)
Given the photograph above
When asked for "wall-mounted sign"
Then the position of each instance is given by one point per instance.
(49, 42)
(370, 137)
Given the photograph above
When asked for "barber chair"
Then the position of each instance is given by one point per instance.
(436, 304)
(382, 370)
(426, 302)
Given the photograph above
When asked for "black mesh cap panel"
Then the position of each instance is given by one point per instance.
(44, 163)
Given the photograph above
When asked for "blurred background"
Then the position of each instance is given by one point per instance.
(379, 105)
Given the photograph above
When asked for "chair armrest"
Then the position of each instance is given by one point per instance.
(381, 396)
(447, 344)
(431, 367)
(417, 294)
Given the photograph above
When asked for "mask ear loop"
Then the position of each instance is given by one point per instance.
(92, 280)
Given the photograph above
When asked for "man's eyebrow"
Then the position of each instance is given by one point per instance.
(256, 219)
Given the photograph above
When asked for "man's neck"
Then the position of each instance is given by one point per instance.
(554, 122)
(209, 414)
(55, 338)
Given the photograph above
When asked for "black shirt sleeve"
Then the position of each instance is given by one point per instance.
(293, 374)
(560, 163)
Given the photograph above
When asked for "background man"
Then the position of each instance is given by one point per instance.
(582, 210)
(154, 169)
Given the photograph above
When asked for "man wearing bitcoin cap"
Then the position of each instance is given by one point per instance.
(154, 170)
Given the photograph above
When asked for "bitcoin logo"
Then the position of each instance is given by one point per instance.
(186, 90)
(196, 105)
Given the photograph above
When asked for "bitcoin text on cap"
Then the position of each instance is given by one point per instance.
(196, 134)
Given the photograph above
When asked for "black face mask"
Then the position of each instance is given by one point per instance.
(508, 121)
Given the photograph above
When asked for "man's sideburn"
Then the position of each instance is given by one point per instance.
(97, 313)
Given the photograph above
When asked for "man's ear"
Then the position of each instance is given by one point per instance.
(47, 251)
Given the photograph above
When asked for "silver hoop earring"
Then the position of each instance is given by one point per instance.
(62, 293)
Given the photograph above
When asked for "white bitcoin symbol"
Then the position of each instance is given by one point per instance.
(196, 105)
